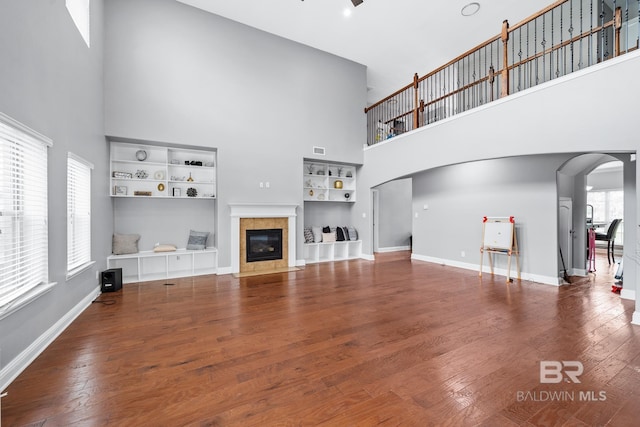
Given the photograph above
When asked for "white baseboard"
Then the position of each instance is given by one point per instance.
(394, 249)
(223, 270)
(635, 320)
(301, 263)
(367, 257)
(628, 294)
(28, 355)
(546, 280)
(578, 272)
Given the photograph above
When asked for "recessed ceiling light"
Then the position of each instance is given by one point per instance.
(470, 9)
(346, 12)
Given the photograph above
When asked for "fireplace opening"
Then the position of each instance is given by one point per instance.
(264, 245)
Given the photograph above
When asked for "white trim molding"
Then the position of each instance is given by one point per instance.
(394, 249)
(545, 280)
(11, 371)
(628, 294)
(261, 210)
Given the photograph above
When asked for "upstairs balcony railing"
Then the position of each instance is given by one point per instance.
(567, 36)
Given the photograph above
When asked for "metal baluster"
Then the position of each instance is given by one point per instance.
(564, 51)
(626, 30)
(581, 38)
(590, 41)
(602, 40)
(543, 43)
(571, 33)
(527, 69)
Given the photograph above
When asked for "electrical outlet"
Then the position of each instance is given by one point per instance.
(462, 254)
(267, 184)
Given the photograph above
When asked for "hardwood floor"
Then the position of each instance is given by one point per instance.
(391, 342)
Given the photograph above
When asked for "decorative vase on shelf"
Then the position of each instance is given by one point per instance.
(337, 184)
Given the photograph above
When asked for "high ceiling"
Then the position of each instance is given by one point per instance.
(393, 39)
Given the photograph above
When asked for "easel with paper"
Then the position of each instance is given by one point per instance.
(499, 237)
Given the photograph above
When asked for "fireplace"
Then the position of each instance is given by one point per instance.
(264, 245)
(262, 216)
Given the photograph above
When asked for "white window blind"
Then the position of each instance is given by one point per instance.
(23, 210)
(78, 213)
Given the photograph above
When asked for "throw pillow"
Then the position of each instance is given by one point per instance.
(197, 240)
(353, 233)
(125, 244)
(164, 248)
(317, 234)
(345, 230)
(308, 235)
(328, 237)
(340, 234)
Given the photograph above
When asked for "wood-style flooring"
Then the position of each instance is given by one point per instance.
(393, 342)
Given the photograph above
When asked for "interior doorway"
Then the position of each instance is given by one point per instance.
(593, 191)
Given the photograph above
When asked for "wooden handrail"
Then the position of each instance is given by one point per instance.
(536, 15)
(382, 101)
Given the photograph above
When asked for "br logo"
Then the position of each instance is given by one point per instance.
(554, 371)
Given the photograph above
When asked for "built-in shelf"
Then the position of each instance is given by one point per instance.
(328, 182)
(332, 251)
(146, 170)
(148, 265)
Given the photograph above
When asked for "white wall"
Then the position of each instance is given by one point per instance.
(177, 74)
(51, 82)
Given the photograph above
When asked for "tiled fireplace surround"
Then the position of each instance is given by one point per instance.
(255, 216)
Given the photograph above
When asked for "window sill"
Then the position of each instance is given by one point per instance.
(73, 273)
(25, 299)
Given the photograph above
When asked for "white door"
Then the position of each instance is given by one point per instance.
(565, 232)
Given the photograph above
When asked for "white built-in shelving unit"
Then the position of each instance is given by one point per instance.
(143, 170)
(148, 265)
(328, 182)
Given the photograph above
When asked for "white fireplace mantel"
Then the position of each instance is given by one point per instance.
(261, 210)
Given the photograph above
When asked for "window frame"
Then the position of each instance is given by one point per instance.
(24, 266)
(79, 256)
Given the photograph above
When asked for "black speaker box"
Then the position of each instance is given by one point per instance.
(111, 280)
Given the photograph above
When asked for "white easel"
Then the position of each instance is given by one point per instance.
(499, 237)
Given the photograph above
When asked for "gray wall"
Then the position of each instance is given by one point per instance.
(458, 197)
(177, 74)
(394, 213)
(52, 83)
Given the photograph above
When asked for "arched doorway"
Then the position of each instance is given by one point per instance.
(576, 214)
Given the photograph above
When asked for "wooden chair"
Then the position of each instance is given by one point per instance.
(610, 238)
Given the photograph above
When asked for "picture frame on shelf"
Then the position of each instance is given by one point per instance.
(120, 190)
(177, 192)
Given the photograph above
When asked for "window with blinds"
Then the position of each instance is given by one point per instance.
(23, 210)
(78, 214)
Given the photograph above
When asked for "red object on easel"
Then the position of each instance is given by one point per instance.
(591, 235)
